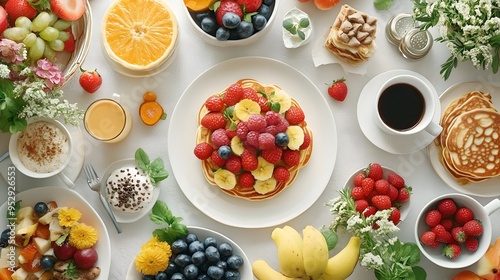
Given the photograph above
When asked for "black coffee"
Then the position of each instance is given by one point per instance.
(401, 106)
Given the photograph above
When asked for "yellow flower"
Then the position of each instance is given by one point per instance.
(82, 236)
(154, 242)
(68, 216)
(151, 260)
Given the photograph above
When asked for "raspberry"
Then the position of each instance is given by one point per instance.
(381, 202)
(272, 118)
(428, 238)
(291, 157)
(357, 193)
(463, 215)
(370, 210)
(233, 164)
(216, 159)
(203, 150)
(213, 121)
(295, 115)
(272, 129)
(256, 122)
(249, 160)
(393, 193)
(306, 143)
(253, 139)
(233, 94)
(219, 138)
(473, 228)
(447, 207)
(247, 180)
(242, 130)
(361, 205)
(266, 141)
(396, 180)
(214, 103)
(250, 93)
(368, 185)
(273, 155)
(283, 125)
(382, 186)
(433, 218)
(471, 244)
(375, 171)
(281, 174)
(358, 179)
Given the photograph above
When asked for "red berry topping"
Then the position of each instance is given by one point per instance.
(233, 93)
(214, 103)
(264, 104)
(213, 121)
(291, 157)
(266, 141)
(295, 115)
(250, 93)
(233, 164)
(220, 138)
(281, 174)
(203, 150)
(217, 160)
(247, 180)
(272, 155)
(447, 207)
(256, 122)
(249, 160)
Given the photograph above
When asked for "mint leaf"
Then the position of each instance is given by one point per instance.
(155, 170)
(173, 229)
(382, 4)
(331, 238)
(419, 272)
(142, 159)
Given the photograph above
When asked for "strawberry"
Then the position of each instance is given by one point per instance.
(233, 164)
(471, 244)
(338, 90)
(4, 23)
(203, 150)
(295, 115)
(357, 193)
(247, 180)
(382, 186)
(396, 180)
(68, 9)
(264, 104)
(249, 6)
(231, 133)
(374, 171)
(404, 194)
(216, 159)
(463, 215)
(447, 223)
(361, 205)
(281, 174)
(370, 210)
(447, 207)
(213, 121)
(442, 235)
(473, 228)
(368, 185)
(358, 179)
(272, 155)
(90, 81)
(69, 45)
(291, 157)
(452, 251)
(214, 103)
(18, 8)
(249, 160)
(393, 193)
(227, 6)
(433, 218)
(233, 94)
(306, 143)
(381, 202)
(250, 93)
(428, 238)
(395, 216)
(459, 234)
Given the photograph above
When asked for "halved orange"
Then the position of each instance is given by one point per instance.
(139, 34)
(198, 5)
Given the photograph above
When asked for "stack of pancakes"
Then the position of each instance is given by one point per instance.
(470, 140)
(352, 35)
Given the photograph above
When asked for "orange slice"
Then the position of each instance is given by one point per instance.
(139, 34)
(151, 111)
(198, 5)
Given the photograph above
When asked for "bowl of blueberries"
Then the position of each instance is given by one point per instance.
(229, 23)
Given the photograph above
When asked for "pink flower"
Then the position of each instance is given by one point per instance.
(11, 51)
(46, 70)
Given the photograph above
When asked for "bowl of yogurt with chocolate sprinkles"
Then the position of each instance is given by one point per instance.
(42, 150)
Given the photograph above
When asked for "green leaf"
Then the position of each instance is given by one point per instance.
(420, 273)
(382, 4)
(71, 271)
(61, 239)
(142, 159)
(288, 24)
(301, 34)
(496, 60)
(304, 22)
(161, 215)
(275, 106)
(331, 239)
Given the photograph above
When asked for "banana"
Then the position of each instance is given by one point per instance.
(237, 145)
(225, 179)
(314, 252)
(265, 186)
(289, 245)
(263, 271)
(245, 108)
(264, 170)
(296, 137)
(283, 99)
(342, 265)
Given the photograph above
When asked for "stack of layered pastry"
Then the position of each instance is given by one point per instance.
(470, 140)
(352, 35)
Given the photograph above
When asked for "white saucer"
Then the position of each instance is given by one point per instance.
(388, 142)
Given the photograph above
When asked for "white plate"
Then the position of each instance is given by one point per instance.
(125, 217)
(69, 198)
(488, 188)
(202, 233)
(310, 182)
(390, 143)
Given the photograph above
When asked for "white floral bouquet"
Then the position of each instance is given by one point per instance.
(30, 89)
(470, 29)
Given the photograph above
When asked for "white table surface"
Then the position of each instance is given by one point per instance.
(354, 149)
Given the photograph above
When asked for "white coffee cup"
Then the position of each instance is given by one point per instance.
(405, 105)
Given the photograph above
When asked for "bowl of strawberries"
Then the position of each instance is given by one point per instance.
(454, 230)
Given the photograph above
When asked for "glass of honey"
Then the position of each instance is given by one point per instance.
(108, 121)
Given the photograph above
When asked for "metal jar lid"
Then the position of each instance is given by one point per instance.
(398, 26)
(415, 44)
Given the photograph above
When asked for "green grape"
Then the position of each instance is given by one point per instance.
(57, 45)
(53, 18)
(49, 53)
(62, 24)
(36, 51)
(16, 33)
(40, 22)
(30, 40)
(49, 34)
(23, 22)
(63, 36)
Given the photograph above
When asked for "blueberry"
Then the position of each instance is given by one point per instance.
(230, 20)
(148, 277)
(232, 275)
(4, 238)
(41, 208)
(224, 151)
(259, 22)
(198, 258)
(215, 272)
(196, 246)
(161, 276)
(178, 276)
(235, 261)
(203, 277)
(265, 11)
(179, 246)
(200, 16)
(191, 271)
(225, 249)
(222, 264)
(47, 262)
(245, 29)
(182, 260)
(171, 268)
(281, 139)
(268, 2)
(212, 254)
(222, 34)
(210, 241)
(191, 237)
(208, 25)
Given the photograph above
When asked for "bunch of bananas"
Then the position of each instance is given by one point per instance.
(306, 257)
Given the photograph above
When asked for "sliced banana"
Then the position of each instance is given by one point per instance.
(283, 99)
(237, 145)
(225, 179)
(296, 137)
(264, 170)
(265, 186)
(245, 108)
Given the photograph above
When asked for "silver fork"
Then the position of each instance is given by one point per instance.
(94, 183)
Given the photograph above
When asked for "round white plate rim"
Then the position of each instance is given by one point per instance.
(488, 188)
(123, 217)
(220, 206)
(47, 193)
(387, 142)
(133, 274)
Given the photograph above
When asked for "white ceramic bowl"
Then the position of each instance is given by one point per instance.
(232, 43)
(202, 233)
(14, 156)
(126, 217)
(466, 258)
(405, 207)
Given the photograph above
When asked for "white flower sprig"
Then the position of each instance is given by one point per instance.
(470, 29)
(380, 250)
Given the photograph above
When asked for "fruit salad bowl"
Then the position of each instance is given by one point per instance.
(196, 18)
